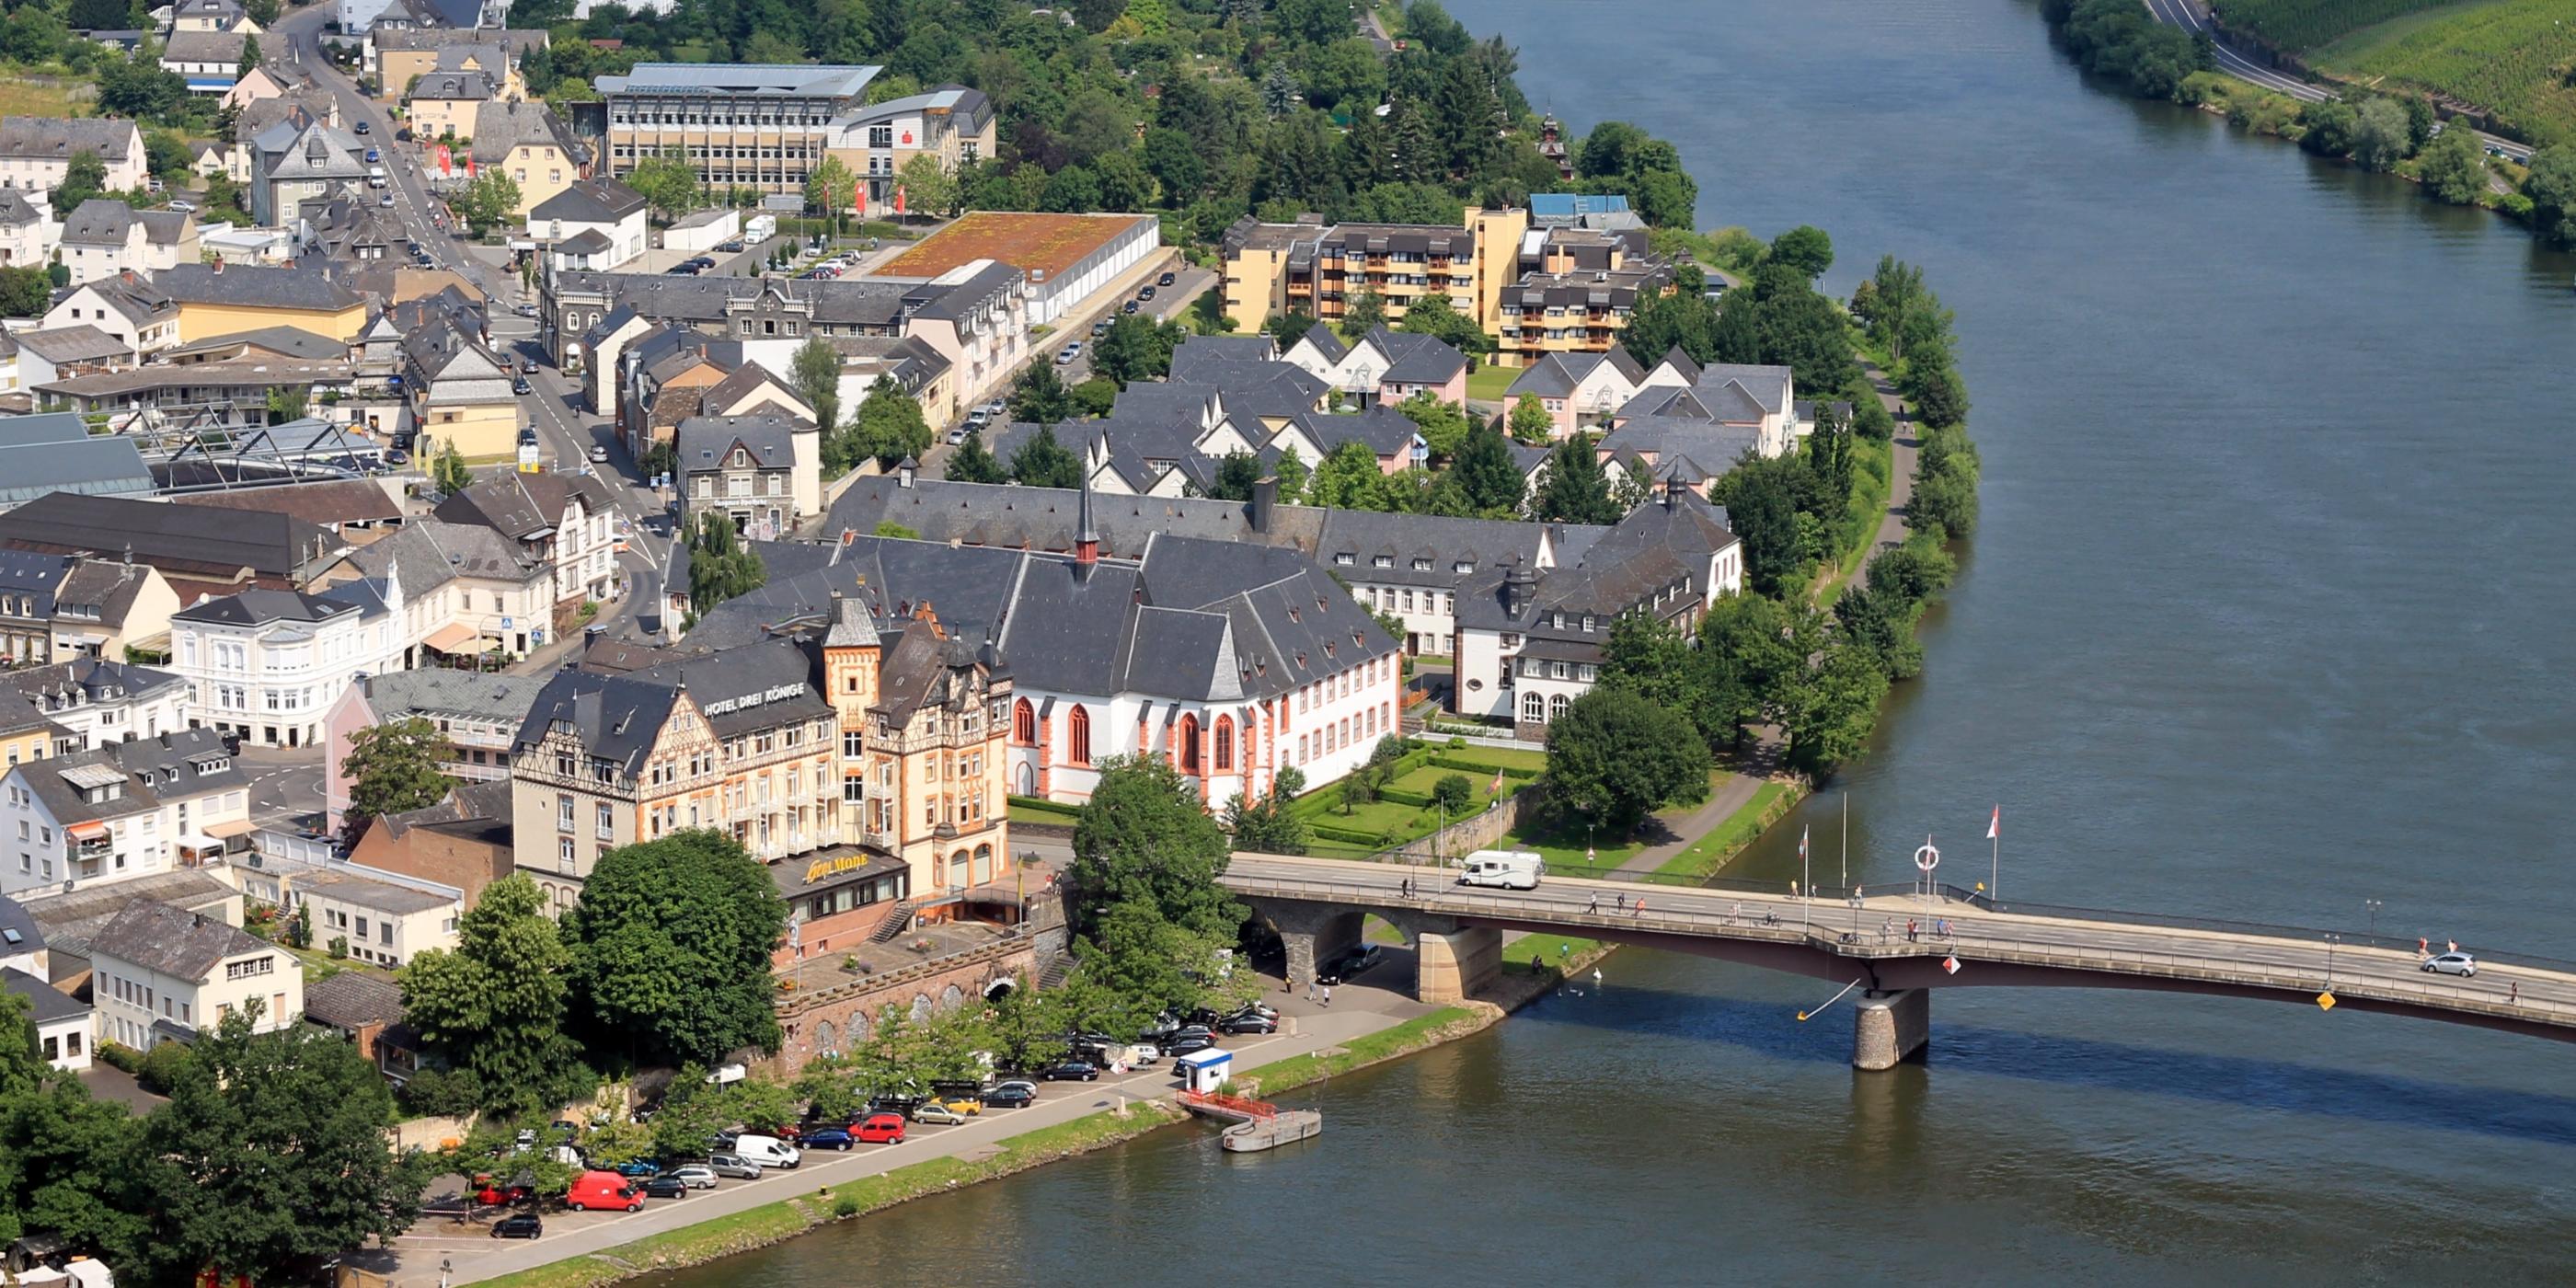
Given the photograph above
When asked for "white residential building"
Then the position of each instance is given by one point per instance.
(101, 702)
(268, 664)
(381, 918)
(65, 1025)
(163, 973)
(131, 810)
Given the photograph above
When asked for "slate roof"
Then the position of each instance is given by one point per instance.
(366, 892)
(81, 681)
(46, 1003)
(1558, 374)
(1711, 447)
(849, 301)
(1655, 546)
(1222, 351)
(99, 221)
(223, 47)
(260, 607)
(425, 554)
(173, 766)
(56, 138)
(15, 209)
(172, 537)
(284, 341)
(352, 1000)
(240, 285)
(1417, 359)
(441, 692)
(619, 717)
(519, 506)
(1405, 539)
(173, 942)
(33, 575)
(706, 443)
(500, 127)
(165, 227)
(472, 86)
(18, 931)
(1382, 429)
(105, 585)
(596, 200)
(1327, 342)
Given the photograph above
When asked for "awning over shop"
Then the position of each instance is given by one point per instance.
(457, 637)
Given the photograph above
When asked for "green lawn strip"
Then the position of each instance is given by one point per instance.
(1870, 490)
(1491, 383)
(742, 1231)
(1706, 855)
(1553, 952)
(1385, 1044)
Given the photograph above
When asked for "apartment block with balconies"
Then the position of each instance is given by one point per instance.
(758, 126)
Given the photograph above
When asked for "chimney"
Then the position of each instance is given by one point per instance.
(219, 265)
(903, 473)
(1086, 540)
(1265, 494)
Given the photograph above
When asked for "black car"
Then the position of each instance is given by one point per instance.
(665, 1187)
(1070, 1071)
(1145, 294)
(1188, 1043)
(523, 1225)
(521, 387)
(733, 247)
(1352, 964)
(1010, 1095)
(1128, 307)
(1248, 1022)
(403, 134)
(894, 1105)
(1166, 280)
(359, 128)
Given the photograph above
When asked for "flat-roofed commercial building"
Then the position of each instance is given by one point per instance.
(758, 126)
(1067, 258)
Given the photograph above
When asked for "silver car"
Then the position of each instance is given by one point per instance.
(2460, 964)
(741, 1169)
(696, 1176)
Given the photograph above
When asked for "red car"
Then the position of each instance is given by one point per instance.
(879, 1129)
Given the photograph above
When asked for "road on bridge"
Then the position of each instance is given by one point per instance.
(1849, 940)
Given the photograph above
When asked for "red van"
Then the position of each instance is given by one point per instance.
(604, 1190)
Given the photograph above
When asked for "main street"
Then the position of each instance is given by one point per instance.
(566, 432)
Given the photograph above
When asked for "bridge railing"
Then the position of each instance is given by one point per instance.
(1776, 919)
(1825, 894)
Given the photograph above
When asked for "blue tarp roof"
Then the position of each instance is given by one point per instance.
(1571, 205)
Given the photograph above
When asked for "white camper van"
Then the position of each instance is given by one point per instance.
(1507, 869)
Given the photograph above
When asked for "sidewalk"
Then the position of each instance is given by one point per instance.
(478, 1257)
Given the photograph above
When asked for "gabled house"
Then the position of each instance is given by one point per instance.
(598, 222)
(218, 300)
(467, 590)
(296, 160)
(530, 143)
(126, 306)
(122, 812)
(35, 150)
(28, 233)
(763, 472)
(564, 521)
(478, 713)
(97, 702)
(210, 61)
(102, 238)
(1758, 399)
(461, 393)
(1579, 388)
(164, 974)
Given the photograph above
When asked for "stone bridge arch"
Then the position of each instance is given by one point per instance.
(1452, 961)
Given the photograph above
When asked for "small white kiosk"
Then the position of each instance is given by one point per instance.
(1205, 1071)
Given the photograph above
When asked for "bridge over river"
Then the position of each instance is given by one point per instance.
(1317, 906)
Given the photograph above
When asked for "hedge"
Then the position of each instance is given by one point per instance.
(1344, 835)
(1040, 805)
(1404, 796)
(118, 1055)
(1482, 767)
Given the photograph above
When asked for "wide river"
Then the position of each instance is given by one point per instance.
(2272, 614)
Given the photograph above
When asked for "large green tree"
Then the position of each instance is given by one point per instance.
(1488, 474)
(1044, 462)
(1144, 839)
(392, 768)
(2551, 185)
(972, 462)
(721, 566)
(2454, 167)
(489, 200)
(1134, 348)
(271, 1154)
(668, 184)
(889, 426)
(1039, 396)
(816, 373)
(495, 1004)
(671, 946)
(1573, 488)
(1268, 825)
(1613, 757)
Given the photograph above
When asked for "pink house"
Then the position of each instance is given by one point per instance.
(1419, 364)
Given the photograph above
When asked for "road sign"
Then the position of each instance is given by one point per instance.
(2326, 1001)
(1951, 964)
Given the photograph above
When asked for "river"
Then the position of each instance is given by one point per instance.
(2269, 616)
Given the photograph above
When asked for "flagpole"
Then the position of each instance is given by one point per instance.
(1807, 887)
(1845, 857)
(1995, 859)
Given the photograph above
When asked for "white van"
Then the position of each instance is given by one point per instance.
(768, 1151)
(375, 176)
(1506, 869)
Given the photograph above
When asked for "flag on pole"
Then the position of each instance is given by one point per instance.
(898, 199)
(859, 197)
(1802, 845)
(1495, 788)
(1995, 825)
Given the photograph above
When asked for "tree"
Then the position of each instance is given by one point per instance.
(271, 1154)
(1685, 320)
(2379, 135)
(1613, 757)
(392, 768)
(2551, 185)
(972, 463)
(927, 187)
(671, 946)
(691, 1112)
(494, 1004)
(1279, 92)
(1287, 328)
(1803, 331)
(890, 427)
(1236, 477)
(720, 565)
(1828, 714)
(2420, 122)
(137, 87)
(67, 1160)
(816, 373)
(1072, 190)
(84, 177)
(1039, 397)
(490, 199)
(1175, 164)
(1805, 248)
(1269, 827)
(249, 56)
(1293, 475)
(1937, 396)
(1453, 793)
(1531, 421)
(287, 402)
(1762, 506)
(1434, 316)
(668, 184)
(2454, 167)
(1144, 841)
(1486, 472)
(1094, 398)
(1135, 347)
(831, 189)
(2331, 125)
(1349, 478)
(1574, 489)
(1044, 462)
(448, 473)
(1442, 425)
(1364, 312)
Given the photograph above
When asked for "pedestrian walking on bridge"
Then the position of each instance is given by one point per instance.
(1595, 905)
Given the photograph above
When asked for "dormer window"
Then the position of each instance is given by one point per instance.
(1422, 565)
(1344, 559)
(1382, 561)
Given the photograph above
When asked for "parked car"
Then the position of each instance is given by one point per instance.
(933, 1112)
(767, 1150)
(604, 1190)
(1128, 307)
(527, 366)
(730, 247)
(598, 454)
(664, 1187)
(958, 435)
(397, 456)
(1145, 294)
(1248, 1023)
(403, 135)
(904, 1105)
(183, 206)
(1099, 328)
(523, 310)
(524, 1225)
(491, 1193)
(830, 1138)
(697, 1176)
(1066, 355)
(1165, 280)
(638, 1168)
(386, 201)
(1070, 1071)
(2460, 964)
(735, 1166)
(879, 1129)
(1011, 1095)
(1352, 964)
(1187, 1043)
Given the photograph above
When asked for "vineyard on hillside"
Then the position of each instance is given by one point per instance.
(2517, 57)
(2299, 25)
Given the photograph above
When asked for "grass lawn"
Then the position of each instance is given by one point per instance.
(43, 96)
(1385, 1044)
(1703, 858)
(1870, 486)
(1408, 823)
(1564, 851)
(1490, 383)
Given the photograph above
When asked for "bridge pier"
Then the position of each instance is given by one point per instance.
(1451, 966)
(1890, 1028)
(1311, 933)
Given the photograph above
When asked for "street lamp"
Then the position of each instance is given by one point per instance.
(2331, 937)
(1588, 856)
(2373, 905)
